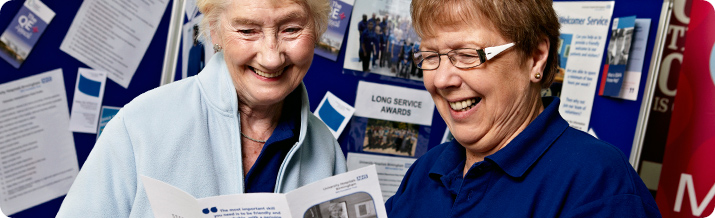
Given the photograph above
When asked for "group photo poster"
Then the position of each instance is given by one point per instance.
(390, 120)
(195, 53)
(381, 39)
(331, 42)
(586, 25)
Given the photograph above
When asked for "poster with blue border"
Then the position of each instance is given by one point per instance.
(332, 40)
(618, 50)
(106, 114)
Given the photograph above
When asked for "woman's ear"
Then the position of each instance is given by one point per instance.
(215, 36)
(539, 57)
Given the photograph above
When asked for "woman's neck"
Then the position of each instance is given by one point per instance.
(535, 106)
(259, 121)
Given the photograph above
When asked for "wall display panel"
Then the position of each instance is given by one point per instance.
(47, 56)
(613, 120)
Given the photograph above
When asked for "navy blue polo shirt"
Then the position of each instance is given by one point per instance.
(263, 174)
(548, 170)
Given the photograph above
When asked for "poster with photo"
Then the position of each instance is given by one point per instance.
(332, 40)
(381, 39)
(22, 34)
(617, 57)
(586, 23)
(390, 120)
(390, 137)
(194, 53)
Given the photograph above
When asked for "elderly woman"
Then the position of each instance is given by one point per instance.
(242, 125)
(485, 62)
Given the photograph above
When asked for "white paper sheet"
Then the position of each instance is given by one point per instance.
(87, 101)
(334, 112)
(394, 103)
(355, 189)
(588, 22)
(390, 170)
(113, 35)
(37, 152)
(632, 79)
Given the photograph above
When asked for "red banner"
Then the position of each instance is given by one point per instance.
(687, 181)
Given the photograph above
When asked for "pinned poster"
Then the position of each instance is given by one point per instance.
(634, 70)
(390, 170)
(113, 35)
(618, 51)
(335, 113)
(107, 113)
(395, 103)
(332, 40)
(391, 120)
(88, 94)
(39, 161)
(22, 34)
(381, 38)
(587, 24)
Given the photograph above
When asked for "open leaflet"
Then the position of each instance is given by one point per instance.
(354, 194)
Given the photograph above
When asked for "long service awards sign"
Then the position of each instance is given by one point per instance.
(394, 103)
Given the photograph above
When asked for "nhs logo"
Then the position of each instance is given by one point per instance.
(46, 79)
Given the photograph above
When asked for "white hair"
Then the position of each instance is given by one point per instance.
(212, 9)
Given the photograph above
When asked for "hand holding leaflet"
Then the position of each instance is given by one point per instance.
(355, 194)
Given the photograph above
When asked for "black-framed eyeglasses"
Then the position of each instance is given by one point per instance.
(463, 58)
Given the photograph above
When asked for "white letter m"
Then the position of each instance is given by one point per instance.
(686, 180)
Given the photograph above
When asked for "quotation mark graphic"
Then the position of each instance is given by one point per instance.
(206, 210)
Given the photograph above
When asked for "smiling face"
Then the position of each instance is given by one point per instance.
(486, 106)
(267, 46)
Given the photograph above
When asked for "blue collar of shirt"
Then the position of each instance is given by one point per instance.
(519, 155)
(284, 130)
(290, 118)
(263, 175)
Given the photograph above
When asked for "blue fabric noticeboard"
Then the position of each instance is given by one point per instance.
(613, 119)
(46, 56)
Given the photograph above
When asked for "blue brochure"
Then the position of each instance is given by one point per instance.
(332, 40)
(23, 32)
(617, 57)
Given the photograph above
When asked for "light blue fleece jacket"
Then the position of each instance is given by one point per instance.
(187, 134)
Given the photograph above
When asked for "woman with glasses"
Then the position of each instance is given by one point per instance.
(242, 125)
(485, 63)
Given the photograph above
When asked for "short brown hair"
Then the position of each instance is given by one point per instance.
(523, 21)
